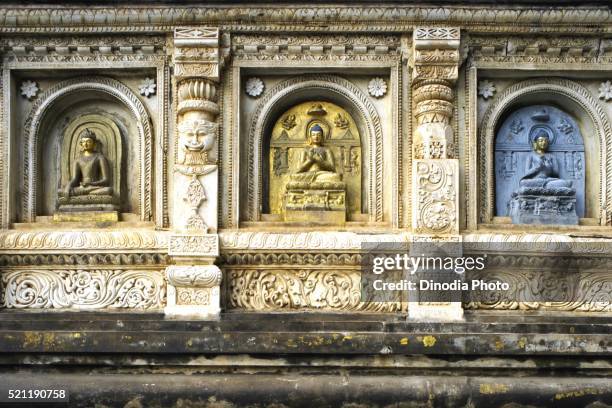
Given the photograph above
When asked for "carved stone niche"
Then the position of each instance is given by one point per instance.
(578, 132)
(277, 127)
(109, 145)
(51, 144)
(525, 180)
(302, 189)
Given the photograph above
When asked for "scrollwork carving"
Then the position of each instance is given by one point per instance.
(83, 289)
(201, 276)
(192, 296)
(537, 289)
(303, 240)
(436, 202)
(194, 245)
(269, 289)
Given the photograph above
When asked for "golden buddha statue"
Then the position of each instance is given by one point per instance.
(317, 164)
(315, 193)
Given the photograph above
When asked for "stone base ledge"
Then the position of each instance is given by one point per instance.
(315, 334)
(296, 389)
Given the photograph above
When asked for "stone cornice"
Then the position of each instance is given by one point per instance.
(382, 18)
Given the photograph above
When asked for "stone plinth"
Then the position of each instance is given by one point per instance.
(528, 208)
(312, 203)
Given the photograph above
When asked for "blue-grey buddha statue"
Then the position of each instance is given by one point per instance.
(542, 169)
(539, 161)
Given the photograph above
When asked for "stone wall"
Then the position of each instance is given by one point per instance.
(195, 92)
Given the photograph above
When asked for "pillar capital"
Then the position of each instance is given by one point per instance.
(196, 53)
(435, 62)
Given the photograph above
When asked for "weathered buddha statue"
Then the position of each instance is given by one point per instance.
(89, 194)
(90, 172)
(317, 164)
(541, 170)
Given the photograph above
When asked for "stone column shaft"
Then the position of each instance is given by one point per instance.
(194, 280)
(435, 173)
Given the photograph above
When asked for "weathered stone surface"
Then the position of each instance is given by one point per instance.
(293, 333)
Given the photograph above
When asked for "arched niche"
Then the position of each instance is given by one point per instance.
(577, 102)
(108, 140)
(513, 145)
(44, 130)
(292, 92)
(289, 139)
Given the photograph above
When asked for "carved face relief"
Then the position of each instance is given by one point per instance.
(542, 144)
(87, 144)
(316, 138)
(197, 138)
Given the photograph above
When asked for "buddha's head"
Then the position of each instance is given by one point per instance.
(315, 135)
(88, 140)
(541, 141)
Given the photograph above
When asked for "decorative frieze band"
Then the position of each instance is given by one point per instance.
(315, 240)
(206, 245)
(70, 241)
(308, 288)
(83, 289)
(392, 17)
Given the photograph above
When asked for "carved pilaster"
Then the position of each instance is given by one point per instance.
(194, 290)
(435, 63)
(435, 60)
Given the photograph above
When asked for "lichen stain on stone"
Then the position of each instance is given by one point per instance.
(522, 342)
(291, 343)
(134, 403)
(499, 345)
(313, 341)
(577, 393)
(404, 341)
(214, 403)
(31, 339)
(49, 341)
(493, 388)
(429, 341)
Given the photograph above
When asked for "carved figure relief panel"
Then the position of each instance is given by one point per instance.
(291, 147)
(91, 136)
(522, 160)
(90, 160)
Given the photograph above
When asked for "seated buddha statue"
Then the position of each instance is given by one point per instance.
(90, 171)
(541, 169)
(316, 163)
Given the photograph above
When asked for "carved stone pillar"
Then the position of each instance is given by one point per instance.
(435, 174)
(193, 280)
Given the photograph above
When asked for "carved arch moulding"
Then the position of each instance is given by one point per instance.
(348, 93)
(562, 89)
(32, 127)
